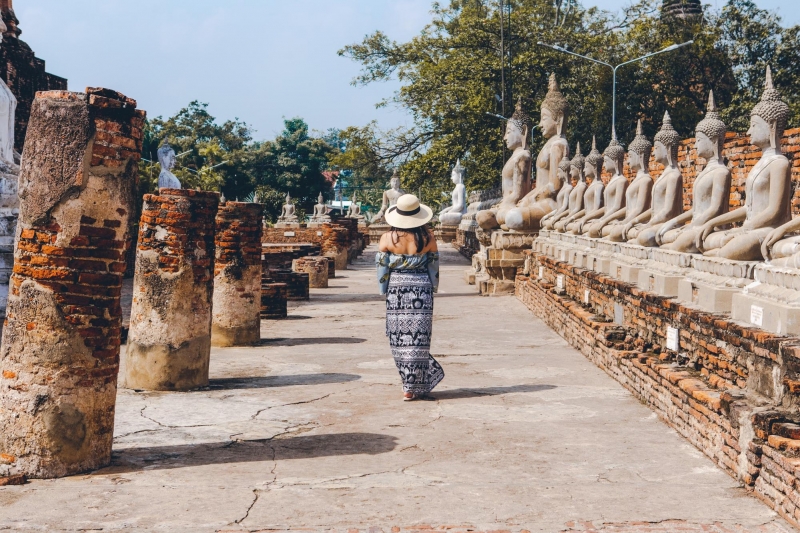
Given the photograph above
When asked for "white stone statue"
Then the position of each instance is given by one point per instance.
(390, 197)
(354, 211)
(288, 212)
(166, 158)
(452, 215)
(320, 211)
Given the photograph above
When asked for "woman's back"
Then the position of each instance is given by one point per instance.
(398, 241)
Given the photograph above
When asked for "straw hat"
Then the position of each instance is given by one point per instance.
(408, 213)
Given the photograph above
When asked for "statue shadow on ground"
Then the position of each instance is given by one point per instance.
(456, 394)
(302, 341)
(248, 451)
(265, 382)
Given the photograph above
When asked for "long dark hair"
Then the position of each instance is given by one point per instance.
(422, 235)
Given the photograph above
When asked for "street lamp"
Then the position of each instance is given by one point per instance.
(669, 48)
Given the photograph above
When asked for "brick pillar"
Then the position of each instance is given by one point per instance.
(60, 349)
(237, 275)
(169, 341)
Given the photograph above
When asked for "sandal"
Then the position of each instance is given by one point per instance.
(409, 397)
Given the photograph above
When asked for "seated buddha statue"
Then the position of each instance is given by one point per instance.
(527, 214)
(563, 195)
(320, 211)
(452, 214)
(767, 191)
(667, 200)
(288, 211)
(390, 197)
(516, 174)
(711, 190)
(593, 197)
(354, 210)
(575, 201)
(613, 193)
(166, 158)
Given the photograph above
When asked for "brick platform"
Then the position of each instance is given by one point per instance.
(60, 349)
(297, 283)
(237, 275)
(273, 300)
(731, 390)
(317, 269)
(169, 342)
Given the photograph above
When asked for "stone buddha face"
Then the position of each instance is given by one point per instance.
(455, 177)
(395, 184)
(548, 123)
(760, 132)
(562, 175)
(513, 137)
(166, 157)
(589, 171)
(574, 175)
(609, 165)
(706, 147)
(635, 161)
(661, 153)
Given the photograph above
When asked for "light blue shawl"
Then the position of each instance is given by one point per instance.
(387, 261)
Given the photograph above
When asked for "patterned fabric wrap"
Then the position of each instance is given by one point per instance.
(409, 324)
(387, 262)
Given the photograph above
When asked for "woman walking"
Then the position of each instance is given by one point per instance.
(408, 274)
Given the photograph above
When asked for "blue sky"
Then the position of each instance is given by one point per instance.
(259, 60)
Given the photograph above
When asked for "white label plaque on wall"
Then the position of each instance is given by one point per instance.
(541, 272)
(319, 234)
(672, 339)
(756, 315)
(288, 234)
(560, 281)
(586, 296)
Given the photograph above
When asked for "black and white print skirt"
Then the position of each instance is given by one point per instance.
(409, 324)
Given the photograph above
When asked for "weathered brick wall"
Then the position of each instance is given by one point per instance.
(237, 275)
(273, 300)
(731, 390)
(61, 342)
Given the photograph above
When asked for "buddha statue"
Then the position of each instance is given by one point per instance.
(542, 199)
(638, 196)
(166, 158)
(613, 193)
(711, 190)
(593, 197)
(575, 201)
(451, 215)
(767, 190)
(562, 199)
(288, 211)
(667, 200)
(390, 197)
(320, 211)
(354, 210)
(516, 172)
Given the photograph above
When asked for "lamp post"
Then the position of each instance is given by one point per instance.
(669, 48)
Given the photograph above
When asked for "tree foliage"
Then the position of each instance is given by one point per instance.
(451, 77)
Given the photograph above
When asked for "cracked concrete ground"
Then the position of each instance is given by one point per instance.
(308, 430)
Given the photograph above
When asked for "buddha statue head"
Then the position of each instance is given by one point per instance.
(710, 132)
(457, 176)
(594, 162)
(768, 117)
(394, 182)
(563, 169)
(666, 143)
(555, 110)
(576, 165)
(166, 157)
(614, 155)
(517, 128)
(320, 199)
(639, 150)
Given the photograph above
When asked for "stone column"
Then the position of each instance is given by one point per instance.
(237, 275)
(169, 341)
(59, 357)
(317, 269)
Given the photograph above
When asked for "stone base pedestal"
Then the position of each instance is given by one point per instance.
(273, 300)
(446, 233)
(772, 301)
(317, 269)
(662, 273)
(339, 258)
(628, 263)
(711, 282)
(599, 259)
(287, 225)
(503, 258)
(376, 230)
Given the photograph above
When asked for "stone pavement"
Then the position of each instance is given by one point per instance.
(308, 431)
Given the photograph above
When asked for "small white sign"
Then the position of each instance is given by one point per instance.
(560, 281)
(288, 234)
(541, 272)
(672, 339)
(756, 314)
(319, 234)
(586, 296)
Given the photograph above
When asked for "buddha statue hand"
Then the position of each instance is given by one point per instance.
(769, 241)
(704, 232)
(625, 229)
(665, 227)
